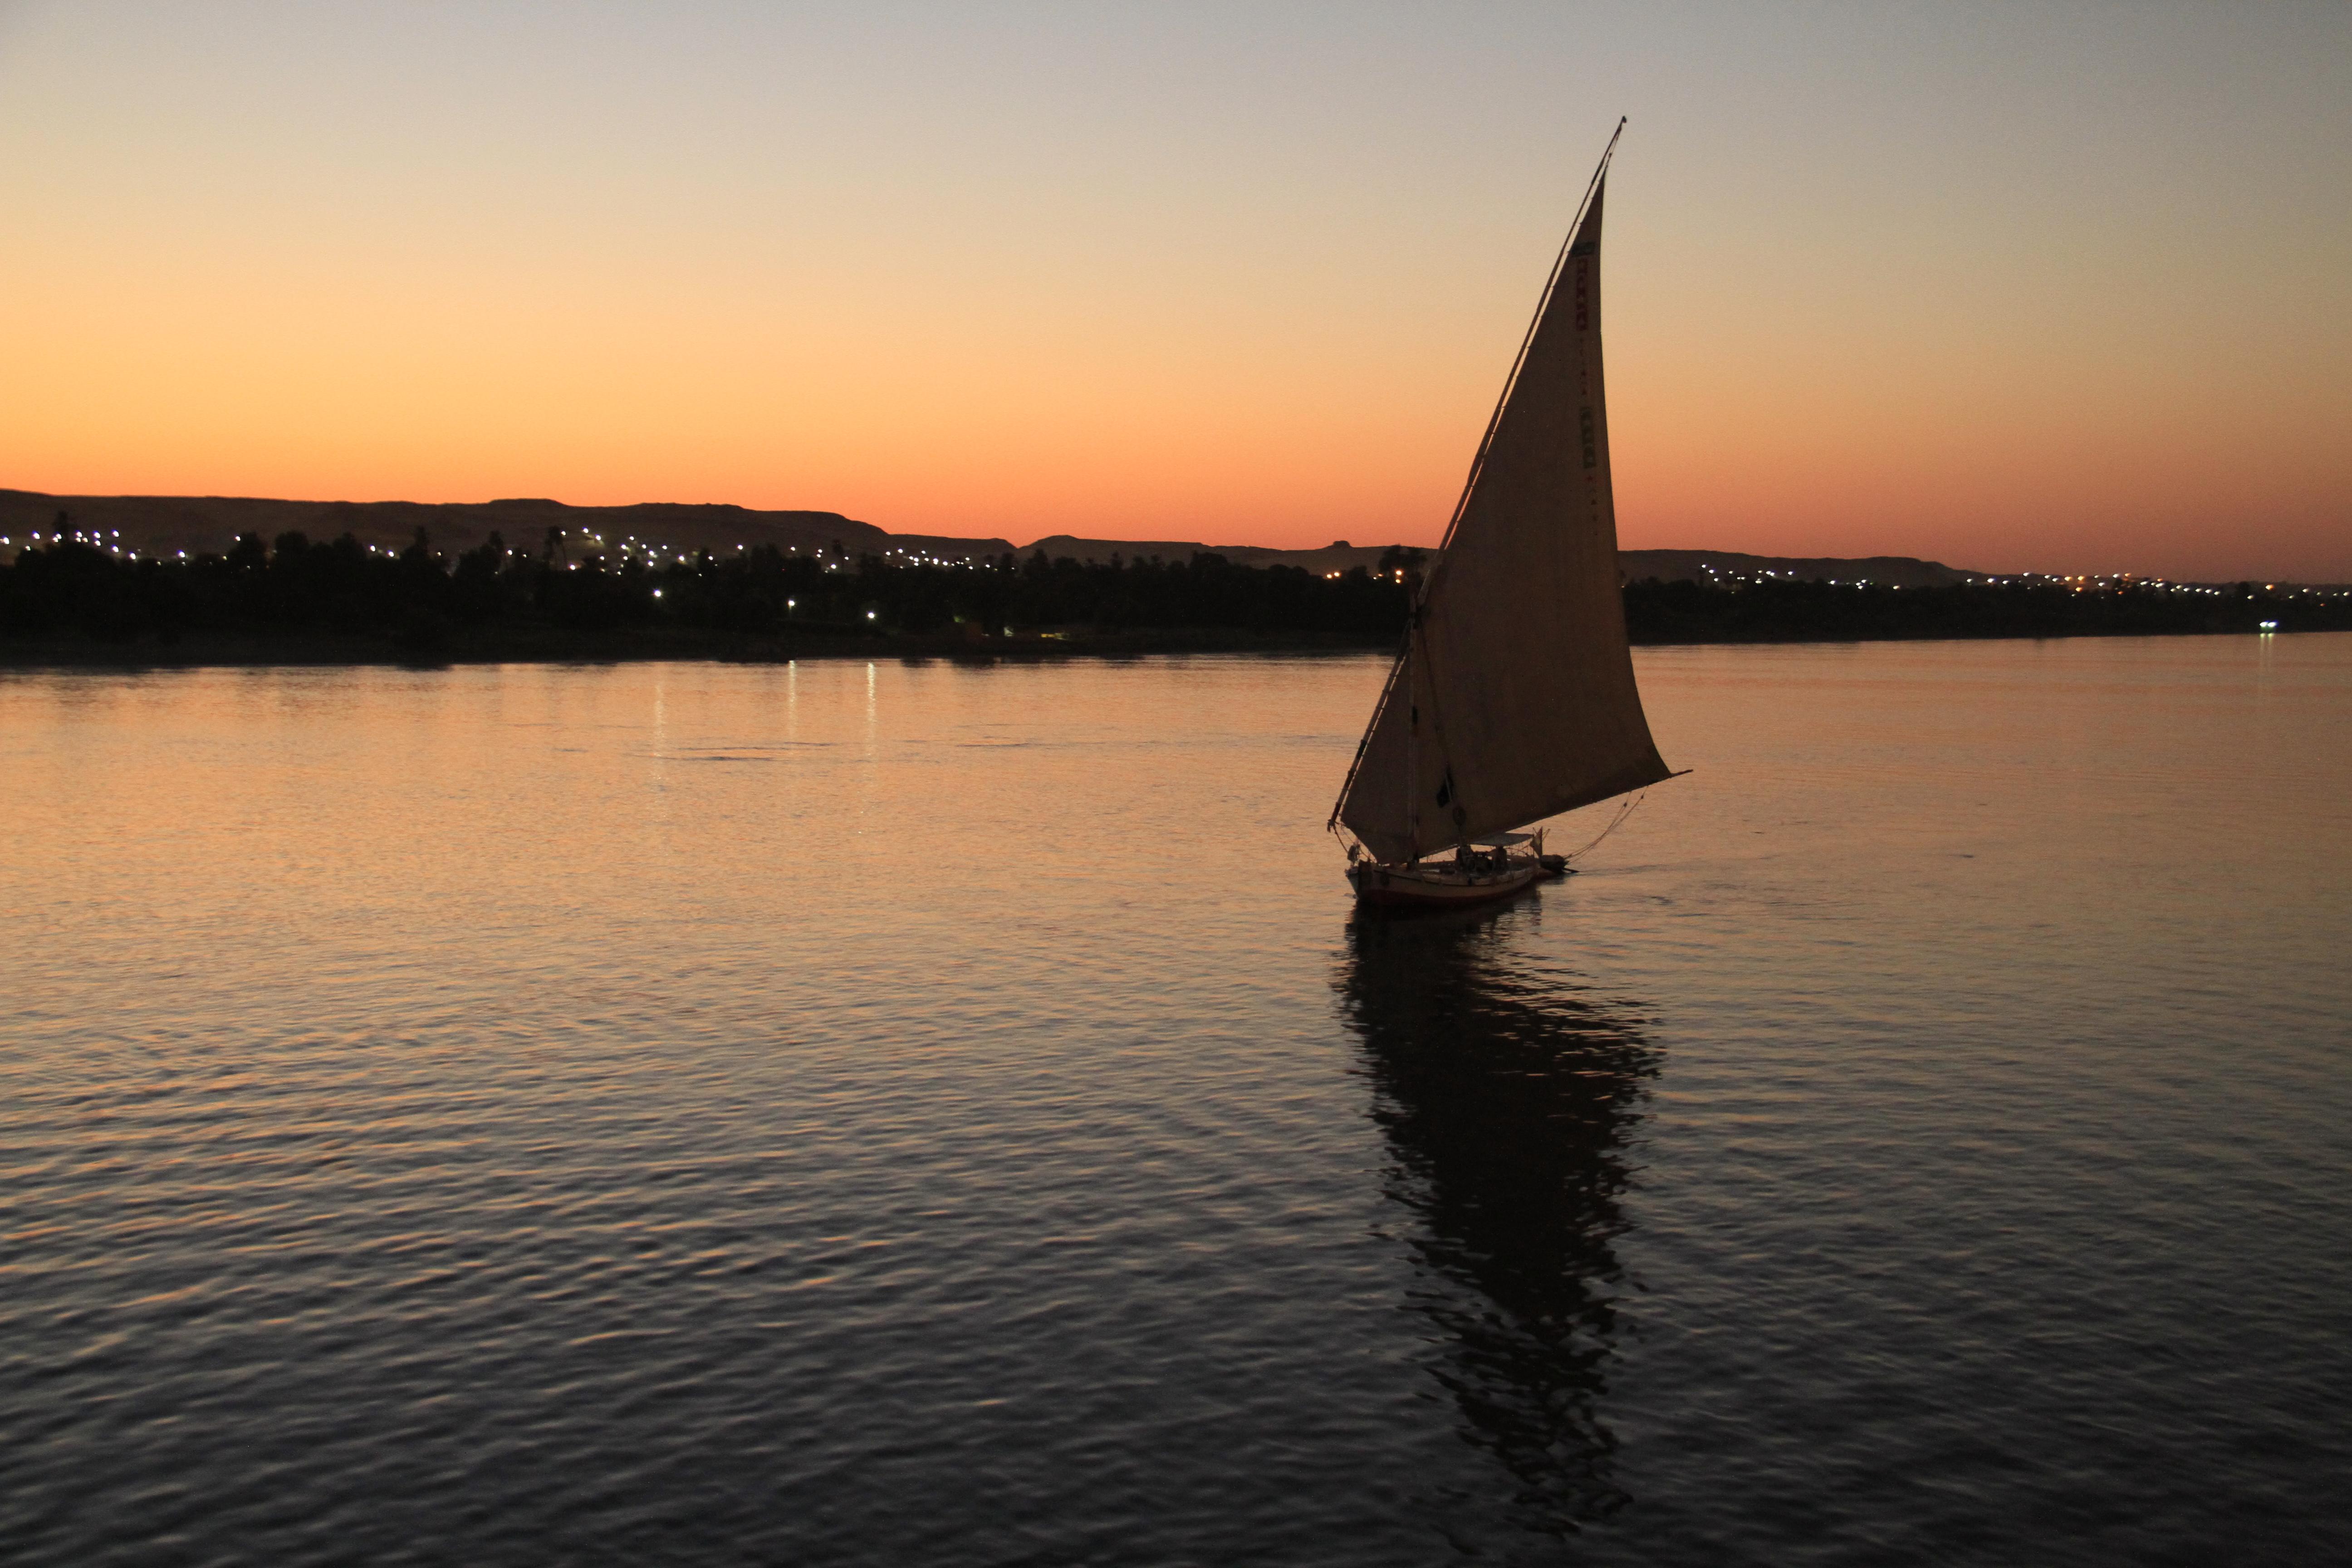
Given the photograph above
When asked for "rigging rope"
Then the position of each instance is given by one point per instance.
(1624, 812)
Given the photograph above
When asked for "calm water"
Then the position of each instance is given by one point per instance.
(928, 1114)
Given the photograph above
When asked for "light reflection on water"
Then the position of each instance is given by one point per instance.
(919, 1112)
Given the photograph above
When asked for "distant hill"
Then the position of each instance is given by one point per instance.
(1722, 566)
(200, 524)
(209, 524)
(1725, 566)
(1337, 556)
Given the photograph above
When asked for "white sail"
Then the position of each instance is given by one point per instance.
(1515, 698)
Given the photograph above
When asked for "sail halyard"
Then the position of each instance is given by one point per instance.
(1411, 755)
(1364, 744)
(1513, 698)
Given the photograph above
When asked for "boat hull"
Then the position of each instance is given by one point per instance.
(1399, 887)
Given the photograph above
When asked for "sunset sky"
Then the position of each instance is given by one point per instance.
(2033, 287)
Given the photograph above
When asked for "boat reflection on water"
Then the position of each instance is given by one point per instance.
(1509, 1098)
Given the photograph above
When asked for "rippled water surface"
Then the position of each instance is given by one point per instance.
(921, 1113)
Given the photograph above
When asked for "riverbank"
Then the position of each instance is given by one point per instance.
(77, 602)
(649, 645)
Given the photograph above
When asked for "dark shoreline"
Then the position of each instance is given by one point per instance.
(642, 646)
(75, 604)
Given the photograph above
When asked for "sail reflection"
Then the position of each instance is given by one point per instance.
(1510, 1099)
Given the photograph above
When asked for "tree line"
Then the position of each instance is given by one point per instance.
(342, 588)
(1795, 610)
(423, 600)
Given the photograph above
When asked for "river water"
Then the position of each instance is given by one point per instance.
(946, 1114)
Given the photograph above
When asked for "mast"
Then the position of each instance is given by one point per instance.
(1411, 760)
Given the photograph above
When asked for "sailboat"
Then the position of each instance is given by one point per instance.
(1513, 698)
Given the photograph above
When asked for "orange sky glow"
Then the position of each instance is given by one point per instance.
(2007, 290)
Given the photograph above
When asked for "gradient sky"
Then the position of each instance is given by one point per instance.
(2014, 287)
